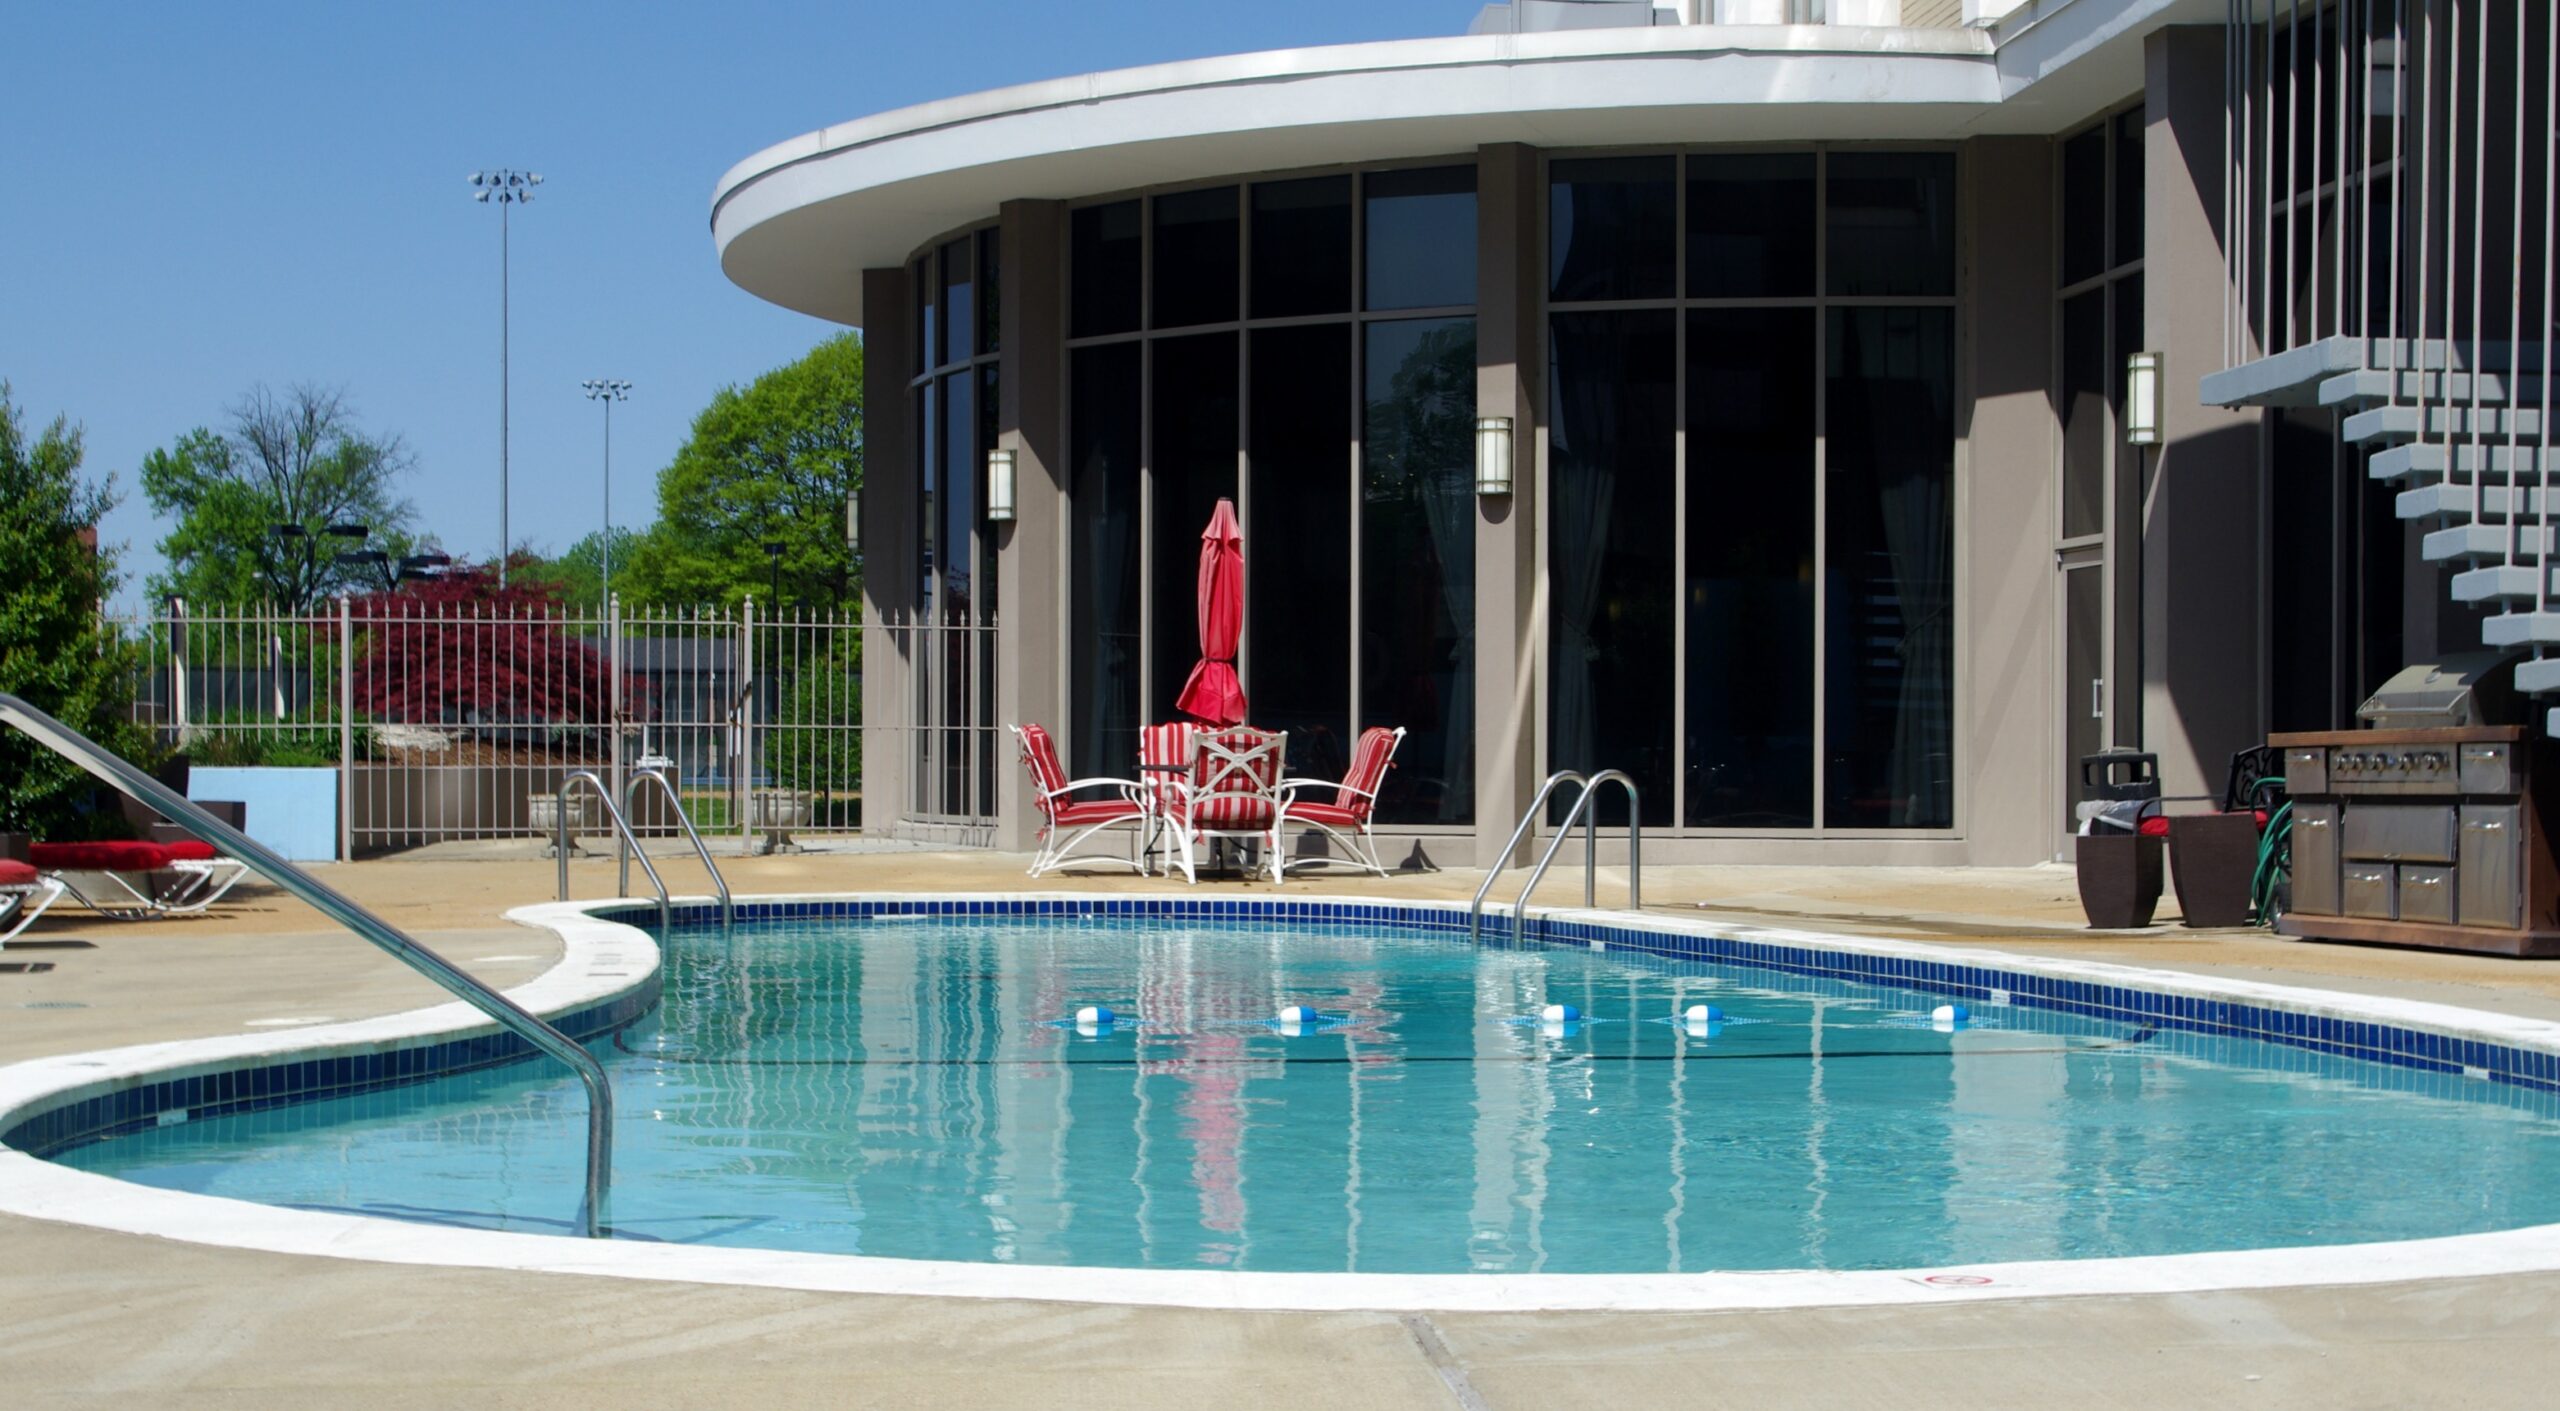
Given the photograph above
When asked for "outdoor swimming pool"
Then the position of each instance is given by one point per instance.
(915, 1088)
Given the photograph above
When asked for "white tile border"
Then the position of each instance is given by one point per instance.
(42, 1190)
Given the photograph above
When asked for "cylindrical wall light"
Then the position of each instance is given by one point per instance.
(853, 523)
(1000, 485)
(2142, 399)
(1493, 455)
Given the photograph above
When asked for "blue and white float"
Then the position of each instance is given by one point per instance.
(1947, 1018)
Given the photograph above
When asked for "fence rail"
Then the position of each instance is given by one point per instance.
(458, 721)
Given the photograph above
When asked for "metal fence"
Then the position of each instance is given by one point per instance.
(455, 721)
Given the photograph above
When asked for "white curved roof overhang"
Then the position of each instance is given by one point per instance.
(798, 222)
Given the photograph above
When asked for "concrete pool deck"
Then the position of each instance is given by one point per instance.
(87, 1316)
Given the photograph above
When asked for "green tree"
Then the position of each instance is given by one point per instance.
(577, 576)
(770, 462)
(296, 459)
(55, 650)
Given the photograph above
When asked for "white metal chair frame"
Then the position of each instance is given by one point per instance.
(1361, 844)
(196, 884)
(23, 902)
(1058, 842)
(1238, 767)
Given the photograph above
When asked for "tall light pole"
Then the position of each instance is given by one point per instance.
(503, 188)
(607, 390)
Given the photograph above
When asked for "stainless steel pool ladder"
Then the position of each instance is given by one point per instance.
(204, 827)
(1590, 846)
(675, 804)
(627, 846)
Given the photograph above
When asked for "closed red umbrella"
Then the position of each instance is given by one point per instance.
(1213, 695)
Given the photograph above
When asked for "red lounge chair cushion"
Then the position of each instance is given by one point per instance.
(189, 850)
(104, 857)
(1077, 815)
(14, 873)
(2155, 826)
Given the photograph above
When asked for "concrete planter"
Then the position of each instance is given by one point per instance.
(774, 809)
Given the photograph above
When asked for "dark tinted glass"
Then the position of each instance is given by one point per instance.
(1195, 257)
(2084, 414)
(1610, 228)
(1751, 225)
(1892, 223)
(1302, 247)
(927, 288)
(959, 311)
(1418, 530)
(1103, 269)
(1749, 743)
(1102, 559)
(959, 499)
(2129, 187)
(1193, 463)
(1889, 524)
(1609, 453)
(990, 286)
(1420, 234)
(2084, 205)
(1299, 624)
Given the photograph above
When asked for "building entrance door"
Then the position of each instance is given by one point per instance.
(2084, 672)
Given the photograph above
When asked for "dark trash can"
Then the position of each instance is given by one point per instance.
(2119, 864)
(2213, 857)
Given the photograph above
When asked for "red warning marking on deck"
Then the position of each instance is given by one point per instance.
(1963, 1281)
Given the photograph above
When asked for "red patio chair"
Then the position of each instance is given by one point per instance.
(1345, 811)
(177, 879)
(1230, 791)
(1065, 821)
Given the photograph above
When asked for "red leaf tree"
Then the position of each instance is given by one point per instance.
(461, 649)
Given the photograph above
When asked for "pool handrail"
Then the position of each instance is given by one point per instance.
(1590, 845)
(622, 830)
(630, 806)
(205, 828)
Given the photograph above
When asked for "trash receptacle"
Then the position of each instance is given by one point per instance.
(2118, 862)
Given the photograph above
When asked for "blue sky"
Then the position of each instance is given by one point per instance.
(203, 197)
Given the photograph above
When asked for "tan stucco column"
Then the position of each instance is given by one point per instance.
(2203, 542)
(888, 546)
(1510, 611)
(1031, 588)
(2008, 456)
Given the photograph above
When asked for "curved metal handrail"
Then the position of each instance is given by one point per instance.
(630, 806)
(514, 1018)
(622, 829)
(1591, 847)
(1528, 816)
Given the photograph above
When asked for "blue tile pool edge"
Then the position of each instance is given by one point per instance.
(2198, 1004)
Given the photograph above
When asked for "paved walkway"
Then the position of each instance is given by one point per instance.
(89, 1318)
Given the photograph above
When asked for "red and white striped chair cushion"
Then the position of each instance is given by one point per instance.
(1160, 746)
(1233, 780)
(1369, 760)
(1048, 776)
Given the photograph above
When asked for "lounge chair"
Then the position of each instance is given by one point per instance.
(1230, 791)
(24, 894)
(1346, 810)
(176, 879)
(1065, 821)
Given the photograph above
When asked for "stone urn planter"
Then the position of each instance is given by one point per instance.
(2119, 879)
(2212, 859)
(775, 810)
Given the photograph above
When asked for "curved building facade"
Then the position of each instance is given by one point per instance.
(1821, 520)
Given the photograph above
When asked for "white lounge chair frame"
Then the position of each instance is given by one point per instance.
(25, 901)
(197, 884)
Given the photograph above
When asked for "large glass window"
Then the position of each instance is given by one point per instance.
(1751, 489)
(1611, 464)
(1104, 280)
(1345, 436)
(952, 634)
(1749, 582)
(1418, 514)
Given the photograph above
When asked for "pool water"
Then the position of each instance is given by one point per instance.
(915, 1089)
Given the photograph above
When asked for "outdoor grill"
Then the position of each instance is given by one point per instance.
(2426, 827)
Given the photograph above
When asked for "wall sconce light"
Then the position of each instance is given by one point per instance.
(1000, 485)
(2142, 399)
(1493, 455)
(853, 523)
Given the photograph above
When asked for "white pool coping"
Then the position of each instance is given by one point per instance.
(604, 959)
